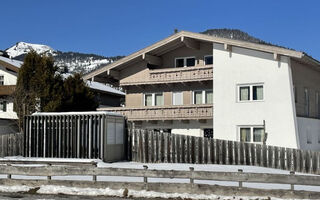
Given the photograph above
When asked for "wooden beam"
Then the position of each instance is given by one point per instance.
(113, 73)
(152, 60)
(276, 56)
(190, 43)
(227, 47)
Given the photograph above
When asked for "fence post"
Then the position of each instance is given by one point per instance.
(192, 176)
(94, 177)
(292, 185)
(240, 182)
(49, 177)
(9, 175)
(145, 178)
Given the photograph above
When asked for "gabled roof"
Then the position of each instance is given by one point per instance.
(10, 63)
(175, 40)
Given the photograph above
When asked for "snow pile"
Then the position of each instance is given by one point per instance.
(23, 48)
(15, 188)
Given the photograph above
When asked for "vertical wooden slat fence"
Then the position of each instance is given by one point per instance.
(11, 144)
(149, 147)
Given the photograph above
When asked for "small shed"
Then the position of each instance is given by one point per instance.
(95, 135)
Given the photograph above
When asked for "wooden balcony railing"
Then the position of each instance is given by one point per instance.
(182, 112)
(174, 75)
(7, 89)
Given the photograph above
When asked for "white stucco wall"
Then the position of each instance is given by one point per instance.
(309, 133)
(244, 66)
(10, 78)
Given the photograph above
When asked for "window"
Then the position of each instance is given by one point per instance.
(208, 60)
(153, 99)
(3, 106)
(309, 136)
(295, 92)
(318, 104)
(185, 62)
(306, 102)
(177, 98)
(1, 80)
(202, 97)
(251, 134)
(250, 92)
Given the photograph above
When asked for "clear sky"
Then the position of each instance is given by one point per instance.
(121, 27)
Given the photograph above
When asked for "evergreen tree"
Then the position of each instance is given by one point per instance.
(41, 88)
(77, 96)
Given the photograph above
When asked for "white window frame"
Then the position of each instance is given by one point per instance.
(173, 98)
(251, 92)
(185, 61)
(153, 98)
(203, 96)
(204, 59)
(251, 132)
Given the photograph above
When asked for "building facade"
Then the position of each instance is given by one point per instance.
(193, 83)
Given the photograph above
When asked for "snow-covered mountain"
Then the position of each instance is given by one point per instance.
(68, 62)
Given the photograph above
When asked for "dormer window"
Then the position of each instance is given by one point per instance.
(185, 62)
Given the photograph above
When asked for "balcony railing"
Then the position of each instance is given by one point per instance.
(174, 75)
(7, 90)
(182, 112)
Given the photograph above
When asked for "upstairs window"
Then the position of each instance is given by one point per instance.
(208, 60)
(1, 80)
(203, 97)
(3, 106)
(250, 92)
(251, 134)
(153, 99)
(186, 62)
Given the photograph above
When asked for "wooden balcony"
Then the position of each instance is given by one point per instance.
(181, 112)
(7, 90)
(175, 75)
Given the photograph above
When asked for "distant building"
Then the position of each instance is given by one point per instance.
(191, 83)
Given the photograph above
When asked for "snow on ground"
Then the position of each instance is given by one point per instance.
(170, 166)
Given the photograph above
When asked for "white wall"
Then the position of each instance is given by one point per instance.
(10, 78)
(244, 66)
(309, 133)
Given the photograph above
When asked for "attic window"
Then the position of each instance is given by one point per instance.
(185, 62)
(208, 60)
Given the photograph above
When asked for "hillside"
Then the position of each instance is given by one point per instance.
(68, 62)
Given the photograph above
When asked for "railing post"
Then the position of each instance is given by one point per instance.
(192, 176)
(9, 175)
(49, 177)
(94, 177)
(292, 185)
(145, 178)
(240, 182)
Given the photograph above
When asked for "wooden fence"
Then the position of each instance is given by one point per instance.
(151, 147)
(51, 169)
(11, 144)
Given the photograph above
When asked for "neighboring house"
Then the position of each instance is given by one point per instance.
(189, 82)
(8, 77)
(106, 95)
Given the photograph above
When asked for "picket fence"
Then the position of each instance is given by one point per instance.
(151, 147)
(11, 144)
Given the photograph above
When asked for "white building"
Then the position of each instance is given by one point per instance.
(257, 89)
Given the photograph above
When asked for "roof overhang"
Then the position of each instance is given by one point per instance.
(9, 66)
(190, 39)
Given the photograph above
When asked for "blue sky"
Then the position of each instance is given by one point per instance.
(121, 27)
